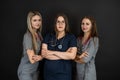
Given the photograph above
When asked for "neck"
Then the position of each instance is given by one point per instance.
(86, 35)
(85, 38)
(60, 34)
(34, 30)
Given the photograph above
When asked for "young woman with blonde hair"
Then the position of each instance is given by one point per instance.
(27, 69)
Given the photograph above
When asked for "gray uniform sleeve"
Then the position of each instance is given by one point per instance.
(91, 49)
(27, 41)
(78, 46)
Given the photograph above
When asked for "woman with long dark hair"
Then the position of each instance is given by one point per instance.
(87, 44)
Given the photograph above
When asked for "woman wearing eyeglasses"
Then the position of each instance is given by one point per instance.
(59, 49)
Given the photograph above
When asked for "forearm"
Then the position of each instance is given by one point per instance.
(51, 57)
(56, 55)
(30, 54)
(63, 55)
(67, 55)
(48, 55)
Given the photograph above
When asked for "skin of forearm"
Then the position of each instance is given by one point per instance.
(30, 53)
(63, 55)
(69, 54)
(51, 57)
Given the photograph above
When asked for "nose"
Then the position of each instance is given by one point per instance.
(60, 23)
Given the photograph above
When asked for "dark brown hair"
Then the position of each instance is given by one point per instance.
(94, 27)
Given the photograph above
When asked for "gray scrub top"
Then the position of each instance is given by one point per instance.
(25, 66)
(87, 70)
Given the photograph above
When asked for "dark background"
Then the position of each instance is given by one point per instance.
(106, 13)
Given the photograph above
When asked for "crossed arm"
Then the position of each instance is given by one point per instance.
(33, 57)
(79, 58)
(56, 55)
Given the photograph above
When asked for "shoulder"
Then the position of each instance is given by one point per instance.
(49, 35)
(27, 35)
(96, 39)
(70, 35)
(79, 38)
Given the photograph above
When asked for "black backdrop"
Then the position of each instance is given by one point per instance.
(106, 13)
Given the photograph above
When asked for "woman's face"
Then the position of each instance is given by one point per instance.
(86, 25)
(60, 24)
(36, 22)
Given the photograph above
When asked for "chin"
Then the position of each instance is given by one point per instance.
(85, 31)
(37, 27)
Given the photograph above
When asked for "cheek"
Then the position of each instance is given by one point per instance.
(32, 23)
(40, 22)
(57, 26)
(89, 27)
(81, 27)
(64, 26)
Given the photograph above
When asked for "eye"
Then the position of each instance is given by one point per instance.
(34, 20)
(39, 20)
(57, 22)
(63, 21)
(60, 22)
(87, 23)
(82, 23)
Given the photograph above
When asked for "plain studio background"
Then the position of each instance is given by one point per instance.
(106, 13)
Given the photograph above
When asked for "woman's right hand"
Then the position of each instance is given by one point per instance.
(37, 58)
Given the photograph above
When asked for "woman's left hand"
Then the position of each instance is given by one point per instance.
(37, 57)
(84, 54)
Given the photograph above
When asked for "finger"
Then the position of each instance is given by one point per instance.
(81, 56)
(86, 55)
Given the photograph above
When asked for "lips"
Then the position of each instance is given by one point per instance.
(60, 27)
(84, 28)
(38, 25)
